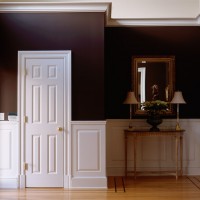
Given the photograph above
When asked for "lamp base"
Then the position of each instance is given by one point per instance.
(178, 128)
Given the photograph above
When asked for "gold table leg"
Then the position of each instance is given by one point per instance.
(176, 157)
(135, 158)
(125, 154)
(181, 155)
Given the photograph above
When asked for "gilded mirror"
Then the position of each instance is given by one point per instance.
(153, 78)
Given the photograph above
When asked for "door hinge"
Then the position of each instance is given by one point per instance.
(25, 72)
(25, 119)
(25, 166)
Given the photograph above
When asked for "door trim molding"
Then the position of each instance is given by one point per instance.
(22, 56)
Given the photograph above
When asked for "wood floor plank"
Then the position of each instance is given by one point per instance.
(141, 188)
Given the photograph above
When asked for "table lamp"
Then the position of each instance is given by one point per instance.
(178, 99)
(130, 99)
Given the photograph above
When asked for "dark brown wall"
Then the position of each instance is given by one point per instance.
(124, 42)
(82, 33)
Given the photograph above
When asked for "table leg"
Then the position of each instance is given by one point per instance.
(181, 155)
(125, 145)
(177, 141)
(135, 144)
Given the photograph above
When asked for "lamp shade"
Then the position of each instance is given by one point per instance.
(130, 98)
(178, 98)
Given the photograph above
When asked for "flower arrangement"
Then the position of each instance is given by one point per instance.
(156, 107)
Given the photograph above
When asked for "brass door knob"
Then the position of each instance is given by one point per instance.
(59, 128)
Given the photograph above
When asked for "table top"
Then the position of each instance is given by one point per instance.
(148, 132)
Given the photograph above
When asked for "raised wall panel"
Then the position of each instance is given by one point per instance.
(5, 149)
(88, 155)
(190, 151)
(153, 148)
(9, 154)
(118, 153)
(88, 147)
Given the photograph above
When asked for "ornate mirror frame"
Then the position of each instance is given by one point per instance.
(165, 66)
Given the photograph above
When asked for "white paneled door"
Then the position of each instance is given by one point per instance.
(44, 115)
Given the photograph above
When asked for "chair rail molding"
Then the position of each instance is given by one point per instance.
(192, 18)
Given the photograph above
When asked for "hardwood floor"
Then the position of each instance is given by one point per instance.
(143, 188)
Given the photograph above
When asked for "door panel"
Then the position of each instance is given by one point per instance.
(44, 101)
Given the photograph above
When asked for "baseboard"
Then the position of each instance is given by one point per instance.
(84, 183)
(9, 183)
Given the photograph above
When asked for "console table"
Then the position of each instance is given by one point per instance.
(177, 134)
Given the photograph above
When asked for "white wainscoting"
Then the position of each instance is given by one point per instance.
(92, 142)
(153, 153)
(9, 154)
(88, 155)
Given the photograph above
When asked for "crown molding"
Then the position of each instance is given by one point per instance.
(41, 7)
(36, 7)
(155, 22)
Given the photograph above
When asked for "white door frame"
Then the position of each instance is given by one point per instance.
(22, 56)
